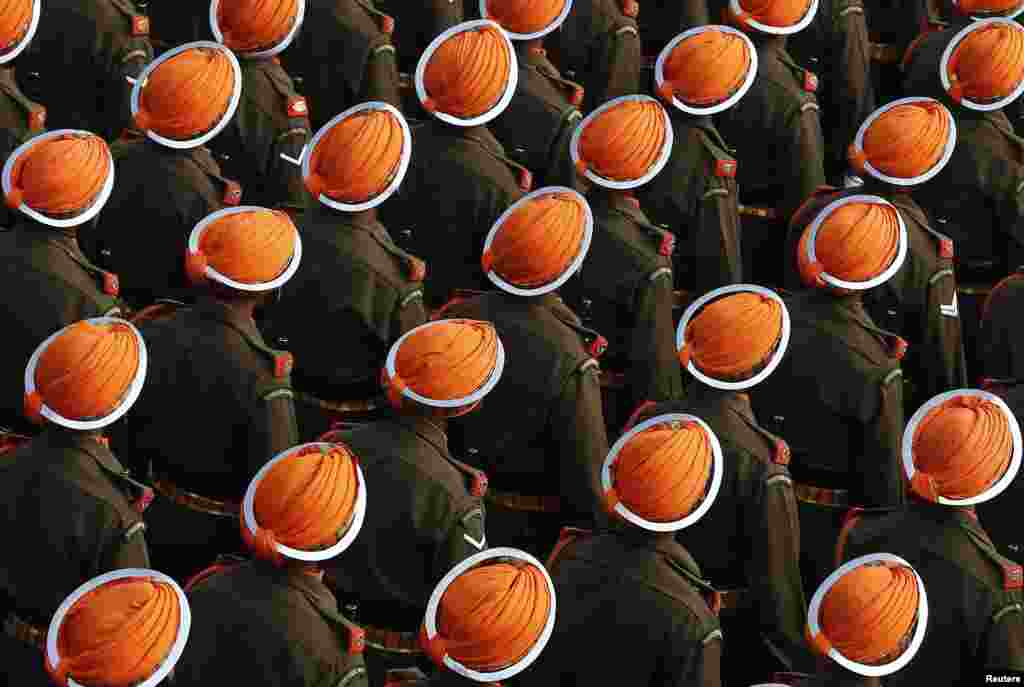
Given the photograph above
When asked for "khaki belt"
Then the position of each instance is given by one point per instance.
(886, 53)
(755, 211)
(201, 504)
(24, 632)
(820, 496)
(523, 502)
(392, 641)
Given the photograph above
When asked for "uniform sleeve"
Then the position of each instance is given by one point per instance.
(272, 425)
(654, 373)
(466, 537)
(808, 150)
(695, 13)
(942, 353)
(998, 336)
(877, 478)
(382, 76)
(695, 663)
(850, 78)
(117, 55)
(410, 313)
(1007, 190)
(717, 247)
(615, 64)
(1005, 642)
(561, 170)
(125, 547)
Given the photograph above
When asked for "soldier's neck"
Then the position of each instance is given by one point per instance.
(242, 307)
(692, 119)
(365, 218)
(768, 43)
(474, 131)
(526, 48)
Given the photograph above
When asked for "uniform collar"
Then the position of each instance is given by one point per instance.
(480, 135)
(211, 309)
(84, 442)
(732, 400)
(428, 430)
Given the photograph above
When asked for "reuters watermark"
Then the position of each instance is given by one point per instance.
(1003, 679)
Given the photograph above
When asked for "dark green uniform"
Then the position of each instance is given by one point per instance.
(217, 405)
(365, 292)
(418, 23)
(78, 61)
(696, 197)
(344, 57)
(20, 118)
(892, 27)
(662, 20)
(1002, 338)
(176, 22)
(69, 516)
(47, 284)
(538, 124)
(975, 617)
(256, 624)
(543, 465)
(632, 610)
(458, 184)
(999, 516)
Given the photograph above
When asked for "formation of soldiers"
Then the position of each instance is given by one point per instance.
(534, 342)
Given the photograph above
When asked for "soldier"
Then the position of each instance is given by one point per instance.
(625, 289)
(80, 62)
(756, 509)
(416, 24)
(599, 46)
(460, 180)
(53, 185)
(960, 449)
(20, 118)
(633, 590)
(776, 130)
(837, 396)
(213, 373)
(538, 124)
(68, 505)
(432, 515)
(1000, 338)
(701, 72)
(998, 516)
(273, 620)
(343, 56)
(168, 180)
(123, 627)
(272, 120)
(542, 469)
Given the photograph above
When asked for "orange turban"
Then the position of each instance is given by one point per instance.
(538, 241)
(623, 142)
(961, 448)
(249, 247)
(357, 159)
(524, 16)
(869, 612)
(86, 372)
(905, 141)
(734, 335)
(253, 25)
(187, 95)
(662, 473)
(706, 68)
(446, 360)
(118, 634)
(777, 13)
(856, 242)
(986, 7)
(60, 175)
(492, 615)
(988, 64)
(304, 501)
(15, 18)
(468, 73)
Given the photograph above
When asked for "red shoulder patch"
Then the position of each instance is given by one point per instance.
(356, 640)
(142, 503)
(111, 284)
(946, 248)
(576, 96)
(417, 269)
(140, 25)
(297, 106)
(668, 244)
(598, 346)
(284, 363)
(898, 348)
(480, 484)
(37, 118)
(387, 24)
(725, 169)
(1013, 576)
(630, 8)
(232, 193)
(810, 81)
(781, 454)
(525, 180)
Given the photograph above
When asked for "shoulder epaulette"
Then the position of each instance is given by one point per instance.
(477, 479)
(1012, 573)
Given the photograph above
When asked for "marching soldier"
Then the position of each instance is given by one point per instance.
(542, 469)
(20, 118)
(219, 402)
(175, 22)
(354, 276)
(1000, 340)
(961, 448)
(998, 516)
(416, 24)
(68, 504)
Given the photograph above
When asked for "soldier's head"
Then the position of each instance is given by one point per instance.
(707, 341)
(86, 376)
(961, 448)
(869, 616)
(539, 242)
(706, 70)
(987, 9)
(19, 20)
(305, 506)
(526, 20)
(126, 627)
(242, 254)
(770, 17)
(490, 617)
(444, 368)
(61, 179)
(982, 68)
(663, 475)
(256, 28)
(188, 95)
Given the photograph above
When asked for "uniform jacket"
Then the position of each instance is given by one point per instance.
(20, 118)
(418, 23)
(999, 516)
(1001, 330)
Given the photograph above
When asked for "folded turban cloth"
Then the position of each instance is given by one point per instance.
(357, 159)
(118, 634)
(15, 18)
(778, 13)
(733, 336)
(86, 372)
(986, 7)
(538, 241)
(856, 242)
(706, 68)
(60, 175)
(492, 615)
(304, 501)
(961, 448)
(623, 142)
(869, 612)
(905, 141)
(250, 247)
(447, 360)
(187, 95)
(467, 74)
(988, 64)
(253, 25)
(524, 16)
(662, 473)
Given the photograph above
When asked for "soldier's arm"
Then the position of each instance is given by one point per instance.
(285, 176)
(1005, 642)
(382, 76)
(808, 150)
(941, 350)
(466, 537)
(698, 663)
(124, 546)
(877, 479)
(615, 63)
(120, 55)
(719, 259)
(272, 424)
(850, 78)
(695, 13)
(409, 313)
(654, 373)
(1006, 178)
(998, 334)
(561, 171)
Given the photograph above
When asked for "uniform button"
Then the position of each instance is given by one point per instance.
(282, 340)
(105, 252)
